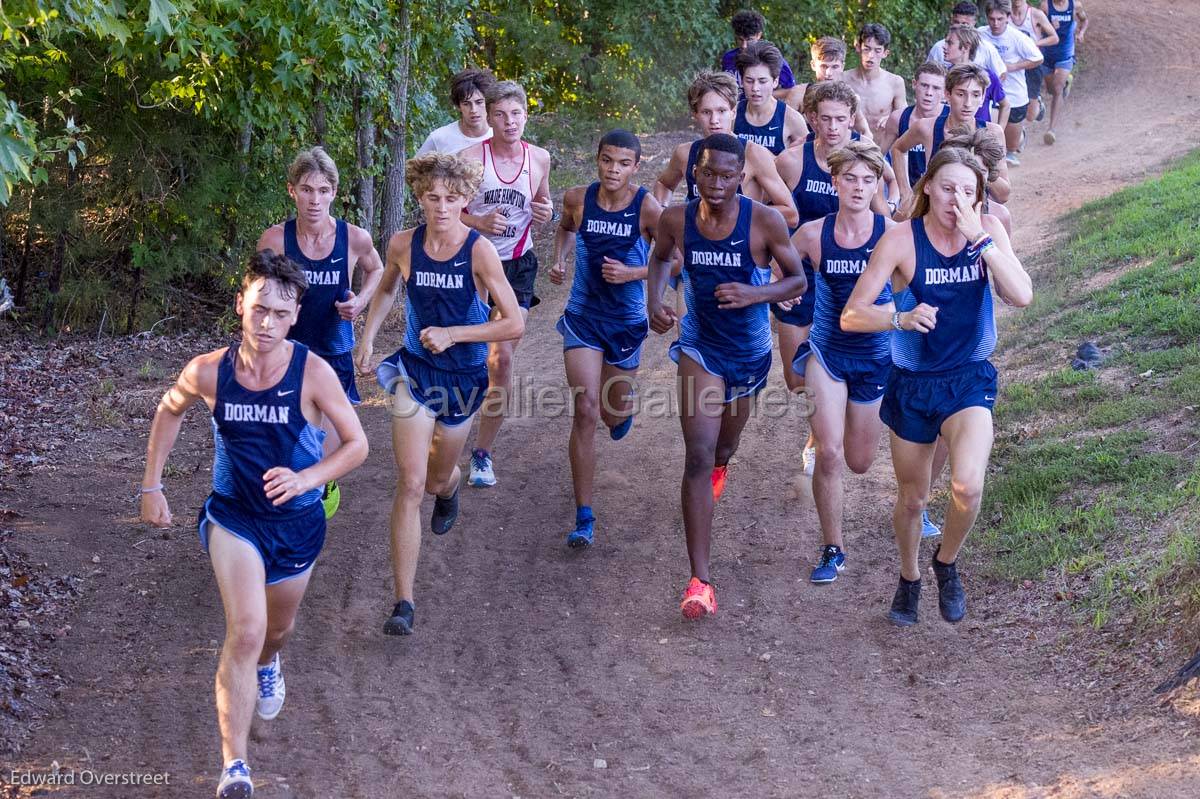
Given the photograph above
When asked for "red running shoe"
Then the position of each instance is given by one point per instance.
(718, 480)
(699, 599)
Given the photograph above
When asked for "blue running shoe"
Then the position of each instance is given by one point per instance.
(903, 612)
(620, 431)
(952, 600)
(928, 528)
(445, 511)
(585, 524)
(235, 782)
(832, 563)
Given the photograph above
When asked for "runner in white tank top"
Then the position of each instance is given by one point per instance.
(513, 197)
(1034, 24)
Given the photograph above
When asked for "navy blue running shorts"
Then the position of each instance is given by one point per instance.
(343, 367)
(621, 342)
(742, 378)
(288, 543)
(916, 405)
(865, 378)
(453, 397)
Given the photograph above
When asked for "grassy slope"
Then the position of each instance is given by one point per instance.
(1097, 483)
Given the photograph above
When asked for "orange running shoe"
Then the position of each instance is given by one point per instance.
(698, 600)
(718, 480)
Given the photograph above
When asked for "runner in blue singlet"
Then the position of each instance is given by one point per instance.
(263, 525)
(439, 376)
(942, 266)
(611, 222)
(724, 344)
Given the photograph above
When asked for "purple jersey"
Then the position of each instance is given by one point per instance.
(729, 64)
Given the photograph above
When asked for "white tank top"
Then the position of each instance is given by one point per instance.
(1026, 26)
(514, 199)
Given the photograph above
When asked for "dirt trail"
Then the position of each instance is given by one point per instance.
(531, 661)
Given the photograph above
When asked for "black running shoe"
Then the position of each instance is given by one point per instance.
(904, 604)
(445, 511)
(952, 600)
(401, 622)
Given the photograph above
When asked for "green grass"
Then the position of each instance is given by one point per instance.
(1103, 491)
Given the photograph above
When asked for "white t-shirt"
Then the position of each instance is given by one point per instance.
(450, 139)
(985, 56)
(1013, 46)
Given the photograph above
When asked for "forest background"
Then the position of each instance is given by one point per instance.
(144, 143)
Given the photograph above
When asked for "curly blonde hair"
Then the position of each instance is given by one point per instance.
(459, 174)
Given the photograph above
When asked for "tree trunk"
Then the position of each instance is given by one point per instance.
(364, 145)
(135, 295)
(23, 274)
(393, 189)
(58, 260)
(318, 117)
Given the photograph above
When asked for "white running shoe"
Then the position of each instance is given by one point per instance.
(809, 458)
(481, 469)
(1012, 159)
(235, 782)
(271, 690)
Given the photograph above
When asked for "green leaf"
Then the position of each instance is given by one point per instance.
(161, 12)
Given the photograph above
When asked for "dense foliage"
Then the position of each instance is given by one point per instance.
(143, 142)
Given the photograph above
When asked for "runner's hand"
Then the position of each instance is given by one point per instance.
(965, 216)
(155, 510)
(362, 358)
(494, 223)
(662, 318)
(731, 296)
(787, 305)
(351, 307)
(615, 272)
(558, 273)
(282, 484)
(437, 339)
(922, 319)
(543, 212)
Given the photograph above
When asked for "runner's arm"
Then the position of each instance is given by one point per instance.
(615, 271)
(670, 227)
(542, 203)
(881, 205)
(1012, 283)
(774, 189)
(910, 139)
(1041, 22)
(490, 273)
(193, 383)
(398, 253)
(668, 180)
(564, 234)
(362, 249)
(861, 314)
(783, 256)
(1083, 21)
(322, 385)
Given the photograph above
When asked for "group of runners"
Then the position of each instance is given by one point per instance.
(872, 230)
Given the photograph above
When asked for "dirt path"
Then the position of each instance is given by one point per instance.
(531, 662)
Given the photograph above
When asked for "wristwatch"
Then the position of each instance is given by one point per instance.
(896, 320)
